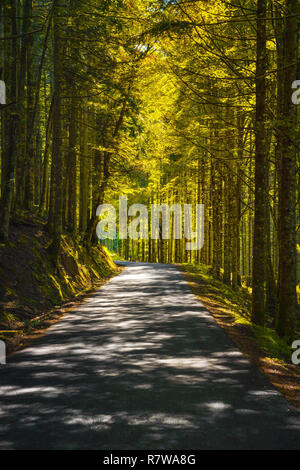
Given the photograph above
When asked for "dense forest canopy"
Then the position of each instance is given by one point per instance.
(164, 102)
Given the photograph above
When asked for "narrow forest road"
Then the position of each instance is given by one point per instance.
(140, 365)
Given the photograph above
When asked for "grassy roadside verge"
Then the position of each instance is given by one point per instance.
(231, 310)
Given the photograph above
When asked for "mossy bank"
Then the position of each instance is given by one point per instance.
(32, 286)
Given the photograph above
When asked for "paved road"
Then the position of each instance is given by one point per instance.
(140, 365)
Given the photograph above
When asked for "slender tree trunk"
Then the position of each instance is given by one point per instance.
(9, 182)
(56, 214)
(261, 184)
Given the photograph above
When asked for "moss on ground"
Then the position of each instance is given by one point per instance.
(31, 285)
(238, 304)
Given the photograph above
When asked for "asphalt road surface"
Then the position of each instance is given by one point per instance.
(140, 365)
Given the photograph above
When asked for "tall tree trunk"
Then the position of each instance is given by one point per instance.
(29, 148)
(287, 187)
(258, 270)
(9, 182)
(56, 213)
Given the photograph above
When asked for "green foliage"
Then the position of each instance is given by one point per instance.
(274, 346)
(156, 100)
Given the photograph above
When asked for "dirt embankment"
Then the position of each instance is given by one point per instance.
(33, 292)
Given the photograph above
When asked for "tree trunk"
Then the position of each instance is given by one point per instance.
(261, 184)
(287, 188)
(57, 170)
(9, 182)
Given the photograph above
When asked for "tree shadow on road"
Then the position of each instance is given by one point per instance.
(140, 365)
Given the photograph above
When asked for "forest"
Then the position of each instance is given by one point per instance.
(165, 102)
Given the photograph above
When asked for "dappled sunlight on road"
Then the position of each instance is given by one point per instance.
(140, 365)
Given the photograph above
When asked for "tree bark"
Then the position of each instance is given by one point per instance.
(287, 188)
(261, 184)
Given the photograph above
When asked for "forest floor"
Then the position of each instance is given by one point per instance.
(231, 309)
(141, 364)
(33, 293)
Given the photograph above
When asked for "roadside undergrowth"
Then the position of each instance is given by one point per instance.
(231, 309)
(33, 292)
